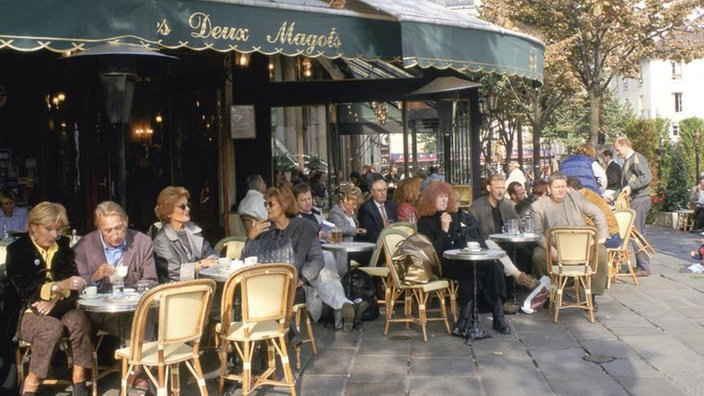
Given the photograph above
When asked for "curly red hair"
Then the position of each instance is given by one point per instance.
(426, 204)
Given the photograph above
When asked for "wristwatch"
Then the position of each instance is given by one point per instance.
(55, 288)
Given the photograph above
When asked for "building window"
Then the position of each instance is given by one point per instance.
(675, 130)
(678, 102)
(676, 70)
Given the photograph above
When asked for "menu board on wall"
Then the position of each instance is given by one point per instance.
(242, 122)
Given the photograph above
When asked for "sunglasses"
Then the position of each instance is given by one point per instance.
(269, 204)
(184, 206)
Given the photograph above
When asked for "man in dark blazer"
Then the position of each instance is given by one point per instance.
(613, 171)
(370, 214)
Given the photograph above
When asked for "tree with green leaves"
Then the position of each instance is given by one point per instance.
(677, 192)
(598, 40)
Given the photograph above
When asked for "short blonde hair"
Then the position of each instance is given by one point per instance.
(47, 214)
(351, 192)
(166, 201)
(108, 208)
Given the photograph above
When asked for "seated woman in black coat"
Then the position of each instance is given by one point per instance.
(442, 224)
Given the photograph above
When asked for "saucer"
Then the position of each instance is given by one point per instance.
(473, 251)
(86, 297)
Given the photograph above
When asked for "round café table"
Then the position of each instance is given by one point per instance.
(215, 274)
(476, 331)
(515, 239)
(349, 247)
(108, 304)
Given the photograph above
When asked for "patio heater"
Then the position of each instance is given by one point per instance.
(119, 67)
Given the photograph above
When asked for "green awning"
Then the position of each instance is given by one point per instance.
(413, 31)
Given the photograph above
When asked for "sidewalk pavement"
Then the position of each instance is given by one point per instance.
(650, 339)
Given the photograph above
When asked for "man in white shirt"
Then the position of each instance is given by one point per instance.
(12, 218)
(253, 203)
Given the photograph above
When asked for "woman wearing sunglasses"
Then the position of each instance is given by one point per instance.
(179, 247)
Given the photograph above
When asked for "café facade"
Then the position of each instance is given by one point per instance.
(116, 99)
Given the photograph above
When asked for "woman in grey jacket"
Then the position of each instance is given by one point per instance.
(179, 247)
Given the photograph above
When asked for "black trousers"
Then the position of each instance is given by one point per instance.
(490, 275)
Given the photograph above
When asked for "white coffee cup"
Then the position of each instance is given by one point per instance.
(121, 270)
(236, 264)
(90, 292)
(473, 245)
(250, 260)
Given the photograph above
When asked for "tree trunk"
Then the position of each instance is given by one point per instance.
(594, 114)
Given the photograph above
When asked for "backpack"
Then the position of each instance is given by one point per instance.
(363, 288)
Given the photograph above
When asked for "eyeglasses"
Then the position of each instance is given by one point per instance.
(184, 206)
(269, 204)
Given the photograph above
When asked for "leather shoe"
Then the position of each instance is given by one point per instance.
(500, 325)
(136, 380)
(642, 272)
(80, 389)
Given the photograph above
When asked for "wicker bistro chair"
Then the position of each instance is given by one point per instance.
(267, 292)
(377, 263)
(408, 228)
(577, 255)
(643, 245)
(231, 246)
(620, 255)
(183, 309)
(415, 296)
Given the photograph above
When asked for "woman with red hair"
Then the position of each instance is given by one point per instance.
(440, 222)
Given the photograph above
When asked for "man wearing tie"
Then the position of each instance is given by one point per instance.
(377, 212)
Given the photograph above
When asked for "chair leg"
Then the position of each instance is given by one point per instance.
(175, 380)
(247, 350)
(124, 373)
(223, 368)
(285, 362)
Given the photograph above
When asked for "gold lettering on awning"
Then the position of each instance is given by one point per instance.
(203, 28)
(287, 35)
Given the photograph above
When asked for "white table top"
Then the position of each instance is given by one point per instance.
(214, 274)
(106, 303)
(515, 238)
(482, 255)
(350, 247)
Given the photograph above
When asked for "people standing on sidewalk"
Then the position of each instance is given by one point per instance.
(583, 164)
(613, 175)
(635, 179)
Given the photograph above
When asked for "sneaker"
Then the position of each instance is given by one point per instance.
(642, 272)
(526, 280)
(348, 315)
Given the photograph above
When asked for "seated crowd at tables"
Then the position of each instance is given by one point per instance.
(47, 274)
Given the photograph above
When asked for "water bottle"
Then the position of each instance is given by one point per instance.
(5, 233)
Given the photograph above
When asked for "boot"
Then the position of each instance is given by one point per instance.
(499, 324)
(461, 328)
